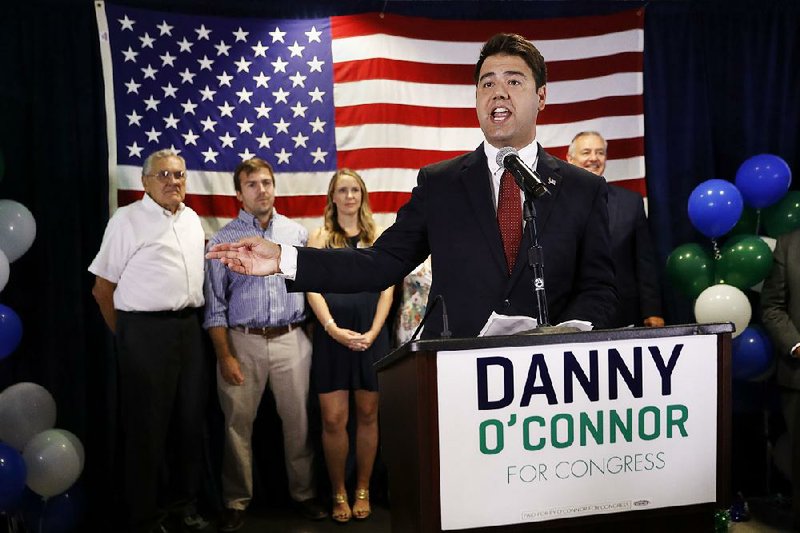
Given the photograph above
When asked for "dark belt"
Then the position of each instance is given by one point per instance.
(268, 332)
(180, 313)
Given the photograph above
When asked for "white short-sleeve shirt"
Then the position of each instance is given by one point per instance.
(154, 256)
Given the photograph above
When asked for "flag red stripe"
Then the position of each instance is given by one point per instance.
(391, 157)
(466, 117)
(474, 30)
(410, 115)
(413, 71)
(594, 67)
(617, 148)
(395, 69)
(635, 185)
(290, 206)
(611, 106)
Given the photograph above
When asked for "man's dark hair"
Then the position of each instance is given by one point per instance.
(512, 44)
(247, 167)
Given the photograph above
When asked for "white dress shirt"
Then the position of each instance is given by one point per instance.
(529, 155)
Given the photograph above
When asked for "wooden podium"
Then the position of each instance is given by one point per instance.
(410, 433)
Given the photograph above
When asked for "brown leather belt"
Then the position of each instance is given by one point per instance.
(268, 332)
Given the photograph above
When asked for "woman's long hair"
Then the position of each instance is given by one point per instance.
(337, 238)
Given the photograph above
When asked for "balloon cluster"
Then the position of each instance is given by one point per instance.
(717, 278)
(17, 231)
(34, 454)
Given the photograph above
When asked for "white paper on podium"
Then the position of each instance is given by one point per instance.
(511, 325)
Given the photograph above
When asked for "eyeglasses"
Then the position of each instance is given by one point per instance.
(164, 175)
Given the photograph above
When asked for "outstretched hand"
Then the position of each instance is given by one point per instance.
(253, 256)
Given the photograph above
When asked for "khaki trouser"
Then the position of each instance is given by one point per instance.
(284, 362)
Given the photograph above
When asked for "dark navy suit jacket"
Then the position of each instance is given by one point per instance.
(634, 259)
(451, 215)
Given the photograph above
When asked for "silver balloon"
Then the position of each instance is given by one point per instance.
(17, 229)
(52, 462)
(5, 270)
(723, 303)
(25, 410)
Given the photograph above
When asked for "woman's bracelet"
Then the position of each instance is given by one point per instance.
(328, 323)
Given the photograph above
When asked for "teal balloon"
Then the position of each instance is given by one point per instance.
(743, 262)
(746, 224)
(690, 269)
(782, 217)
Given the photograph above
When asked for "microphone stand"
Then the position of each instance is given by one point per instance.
(535, 259)
(536, 264)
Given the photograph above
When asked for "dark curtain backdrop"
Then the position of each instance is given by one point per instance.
(721, 83)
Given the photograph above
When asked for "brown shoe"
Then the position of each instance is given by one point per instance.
(312, 509)
(231, 520)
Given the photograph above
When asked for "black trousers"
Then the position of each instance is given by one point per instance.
(790, 398)
(163, 387)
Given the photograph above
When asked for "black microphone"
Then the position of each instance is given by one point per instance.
(445, 334)
(527, 179)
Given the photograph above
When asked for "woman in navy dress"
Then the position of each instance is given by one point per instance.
(351, 337)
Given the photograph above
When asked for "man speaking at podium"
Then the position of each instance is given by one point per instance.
(468, 216)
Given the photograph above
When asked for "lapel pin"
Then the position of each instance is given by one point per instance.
(551, 181)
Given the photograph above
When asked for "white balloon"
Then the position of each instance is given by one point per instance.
(770, 242)
(52, 462)
(17, 229)
(25, 410)
(5, 270)
(723, 303)
(76, 442)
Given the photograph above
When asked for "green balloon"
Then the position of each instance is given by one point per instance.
(747, 223)
(743, 262)
(784, 216)
(690, 269)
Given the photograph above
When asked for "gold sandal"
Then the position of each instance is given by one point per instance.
(362, 495)
(341, 517)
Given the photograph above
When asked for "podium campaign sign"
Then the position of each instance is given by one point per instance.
(536, 433)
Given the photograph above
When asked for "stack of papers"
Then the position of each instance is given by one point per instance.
(511, 325)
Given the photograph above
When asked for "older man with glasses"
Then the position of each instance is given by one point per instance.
(149, 287)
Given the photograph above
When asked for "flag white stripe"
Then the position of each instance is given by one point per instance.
(463, 96)
(466, 53)
(465, 139)
(287, 184)
(620, 84)
(624, 169)
(413, 137)
(626, 127)
(595, 46)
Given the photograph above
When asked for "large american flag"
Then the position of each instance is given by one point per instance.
(379, 93)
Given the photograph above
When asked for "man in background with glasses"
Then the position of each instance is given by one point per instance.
(149, 287)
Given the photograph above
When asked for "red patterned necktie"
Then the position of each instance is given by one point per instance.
(509, 218)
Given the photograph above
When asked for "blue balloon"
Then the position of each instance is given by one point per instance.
(763, 180)
(715, 207)
(10, 330)
(752, 353)
(57, 514)
(12, 478)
